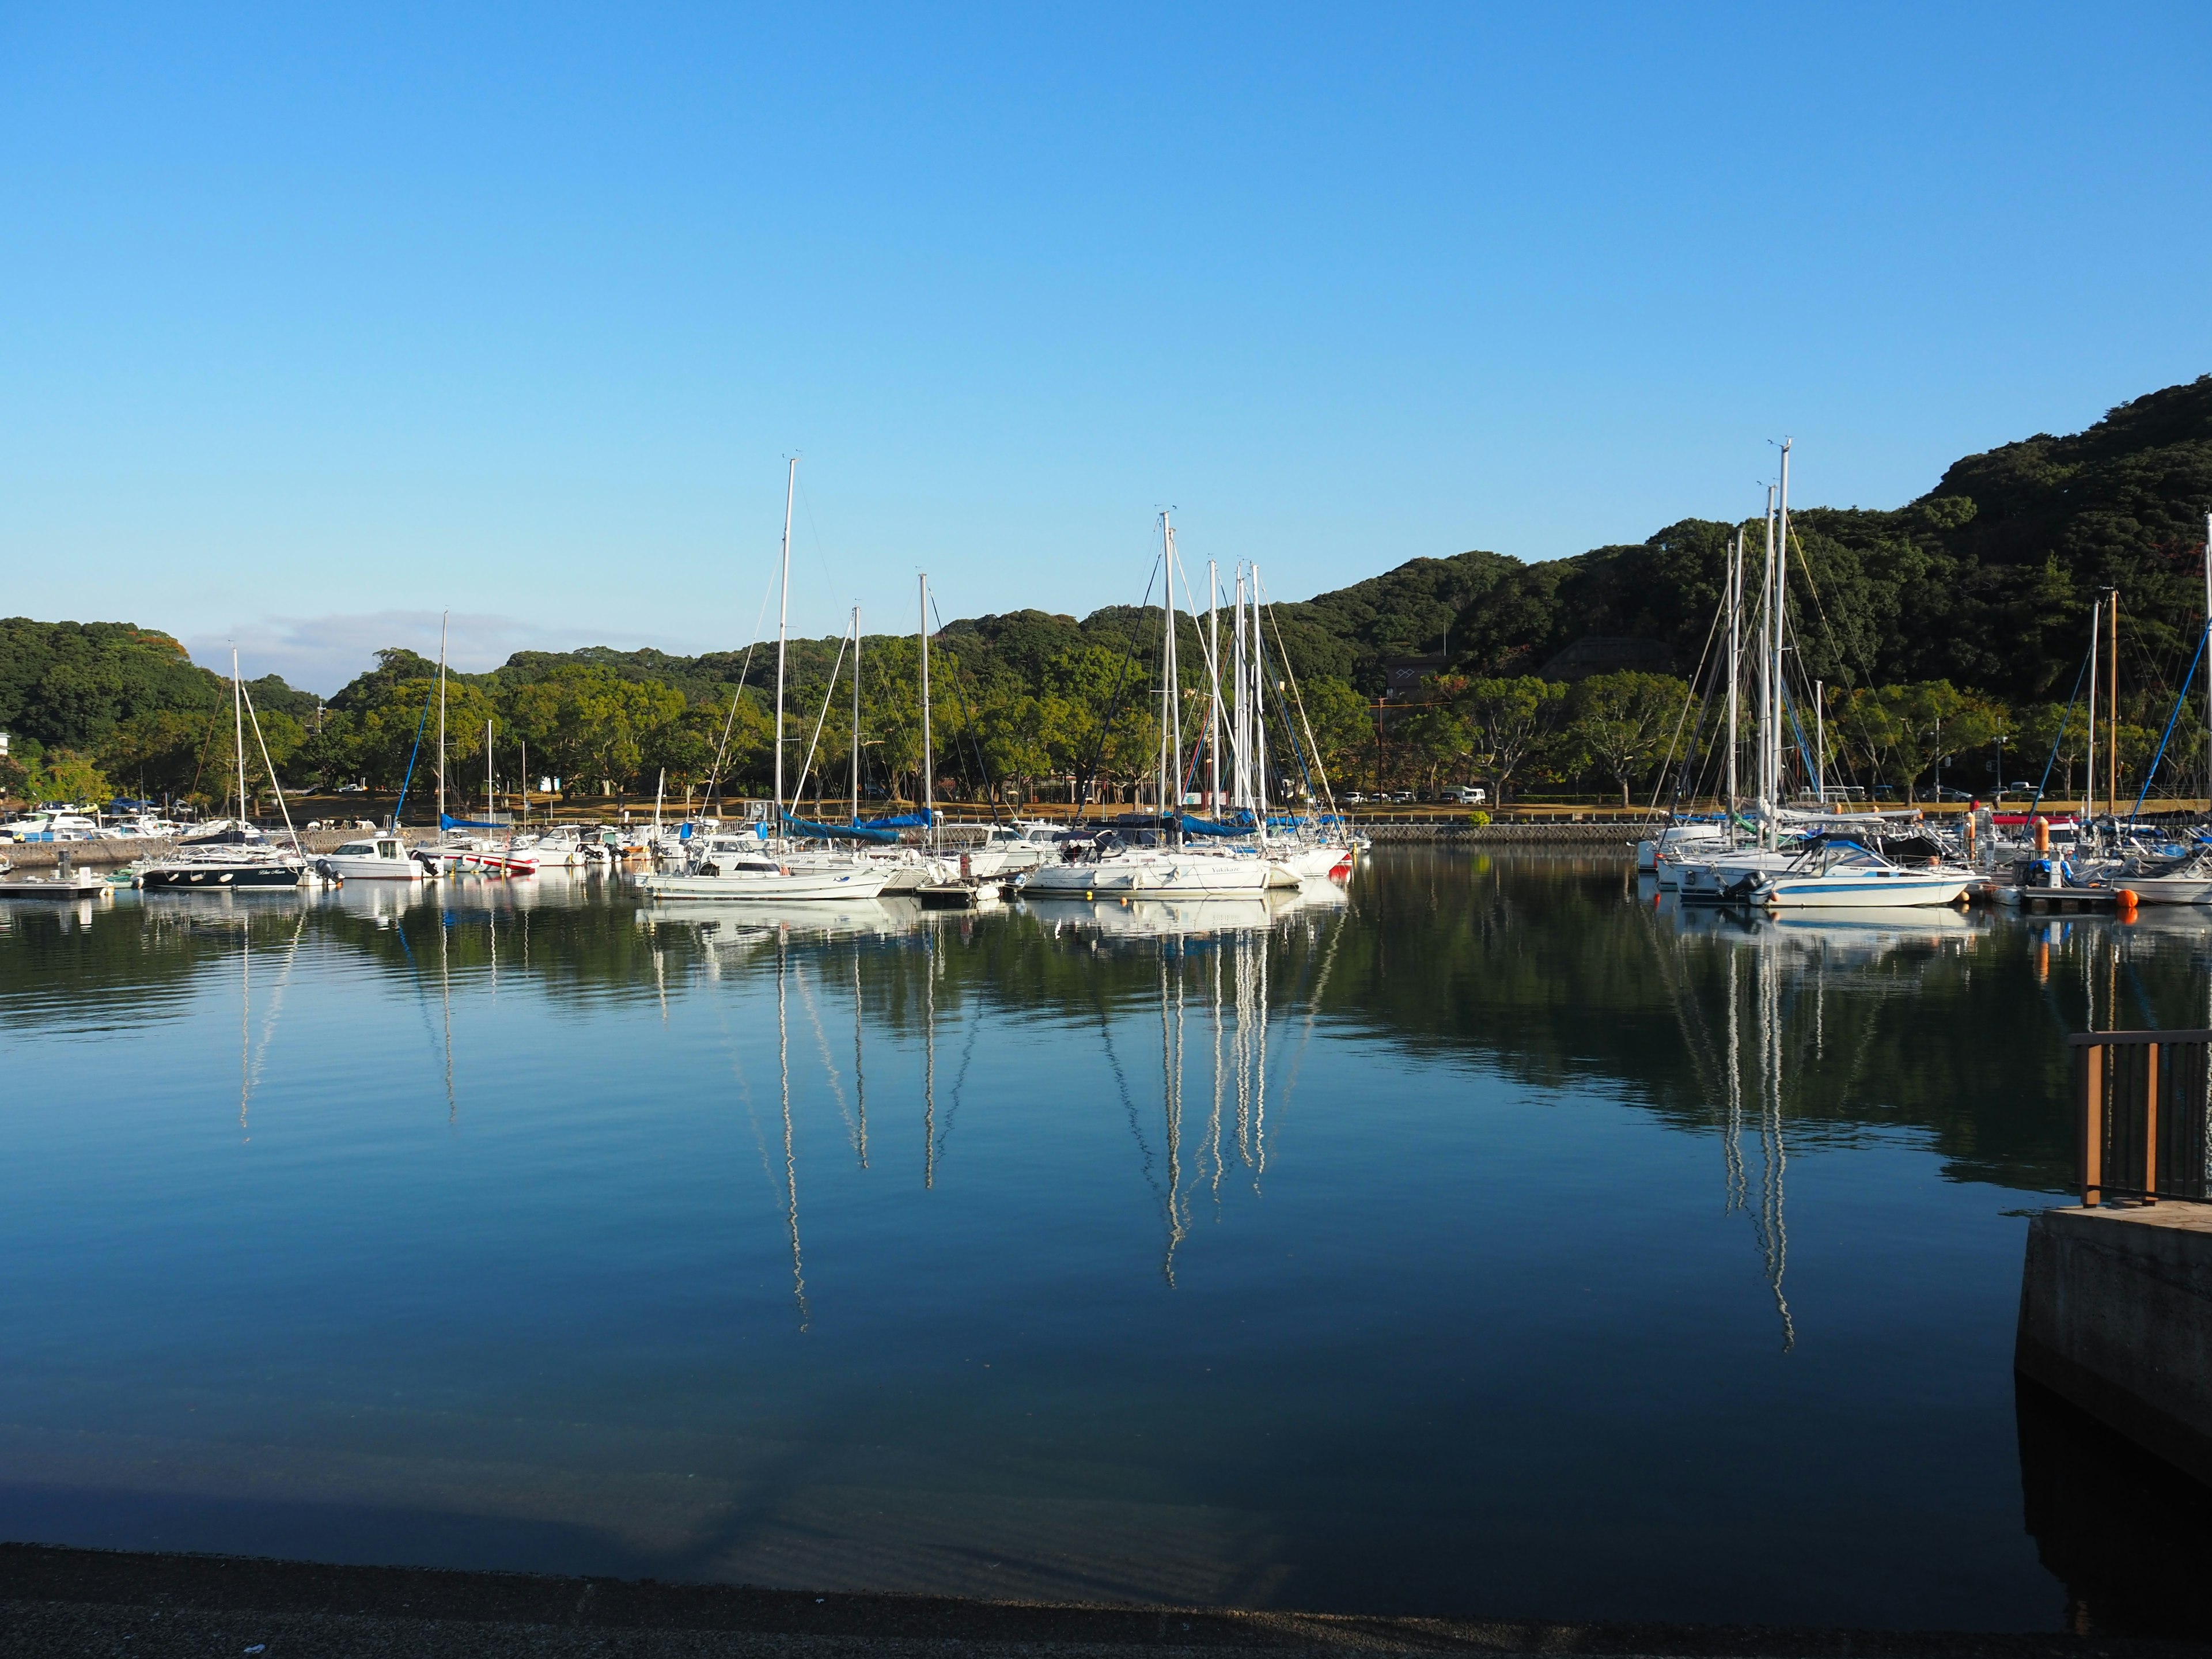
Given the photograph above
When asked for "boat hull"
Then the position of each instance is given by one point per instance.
(1873, 891)
(213, 877)
(763, 887)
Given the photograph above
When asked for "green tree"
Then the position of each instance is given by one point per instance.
(1510, 723)
(1622, 722)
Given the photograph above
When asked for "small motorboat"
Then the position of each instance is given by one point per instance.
(376, 858)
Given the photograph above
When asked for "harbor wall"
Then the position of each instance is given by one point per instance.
(101, 854)
(1598, 837)
(2116, 1316)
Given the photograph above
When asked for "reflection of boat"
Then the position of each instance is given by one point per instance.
(1151, 918)
(760, 920)
(375, 898)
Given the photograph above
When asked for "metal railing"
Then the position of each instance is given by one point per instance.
(2141, 1099)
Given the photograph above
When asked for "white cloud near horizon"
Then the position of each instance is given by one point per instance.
(321, 654)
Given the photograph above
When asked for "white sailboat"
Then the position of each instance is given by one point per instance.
(751, 869)
(1156, 861)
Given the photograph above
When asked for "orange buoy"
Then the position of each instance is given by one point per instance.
(2126, 899)
(2042, 834)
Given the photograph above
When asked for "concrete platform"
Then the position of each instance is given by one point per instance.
(67, 1603)
(2116, 1316)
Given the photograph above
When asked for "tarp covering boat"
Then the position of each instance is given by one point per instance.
(840, 831)
(902, 821)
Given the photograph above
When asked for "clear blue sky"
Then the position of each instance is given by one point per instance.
(320, 320)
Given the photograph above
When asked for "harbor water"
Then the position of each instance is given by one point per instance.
(1492, 1239)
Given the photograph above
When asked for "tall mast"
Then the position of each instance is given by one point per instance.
(442, 621)
(928, 765)
(2113, 710)
(238, 719)
(2208, 666)
(490, 801)
(1170, 712)
(2090, 784)
(1214, 678)
(1767, 743)
(782, 626)
(1258, 668)
(1735, 662)
(1240, 786)
(1781, 589)
(856, 714)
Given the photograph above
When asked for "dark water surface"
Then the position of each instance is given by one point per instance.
(1497, 1242)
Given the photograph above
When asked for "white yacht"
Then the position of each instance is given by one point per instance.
(745, 868)
(1835, 873)
(373, 858)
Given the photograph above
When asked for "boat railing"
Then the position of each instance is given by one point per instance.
(2141, 1099)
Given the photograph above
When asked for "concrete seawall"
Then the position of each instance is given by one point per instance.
(1592, 837)
(90, 854)
(2116, 1316)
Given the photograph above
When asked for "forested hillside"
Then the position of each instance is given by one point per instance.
(1940, 629)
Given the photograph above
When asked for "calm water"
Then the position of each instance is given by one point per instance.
(1497, 1242)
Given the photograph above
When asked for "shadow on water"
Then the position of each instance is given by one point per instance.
(2129, 1536)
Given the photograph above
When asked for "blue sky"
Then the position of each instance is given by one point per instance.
(320, 321)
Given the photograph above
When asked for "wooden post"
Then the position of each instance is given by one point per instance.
(2150, 1123)
(2091, 1118)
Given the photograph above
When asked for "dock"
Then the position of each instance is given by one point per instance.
(2115, 1292)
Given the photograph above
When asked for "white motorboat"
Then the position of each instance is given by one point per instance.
(1012, 849)
(2183, 880)
(561, 847)
(373, 858)
(1103, 865)
(1835, 873)
(754, 876)
(1682, 843)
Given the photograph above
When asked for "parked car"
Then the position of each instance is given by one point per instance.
(1470, 795)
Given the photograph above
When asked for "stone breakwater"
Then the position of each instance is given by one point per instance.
(1586, 837)
(1589, 837)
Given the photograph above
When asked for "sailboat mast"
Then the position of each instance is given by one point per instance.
(856, 714)
(1213, 680)
(2089, 783)
(1736, 659)
(2208, 666)
(2113, 711)
(1766, 736)
(1170, 712)
(928, 764)
(238, 719)
(1258, 716)
(1240, 785)
(1781, 608)
(782, 628)
(442, 621)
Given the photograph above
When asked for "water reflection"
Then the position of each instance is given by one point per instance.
(1131, 1245)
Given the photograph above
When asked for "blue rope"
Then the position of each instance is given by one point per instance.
(2052, 759)
(2179, 700)
(417, 750)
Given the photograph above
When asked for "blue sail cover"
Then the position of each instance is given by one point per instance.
(839, 831)
(903, 820)
(446, 821)
(1192, 826)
